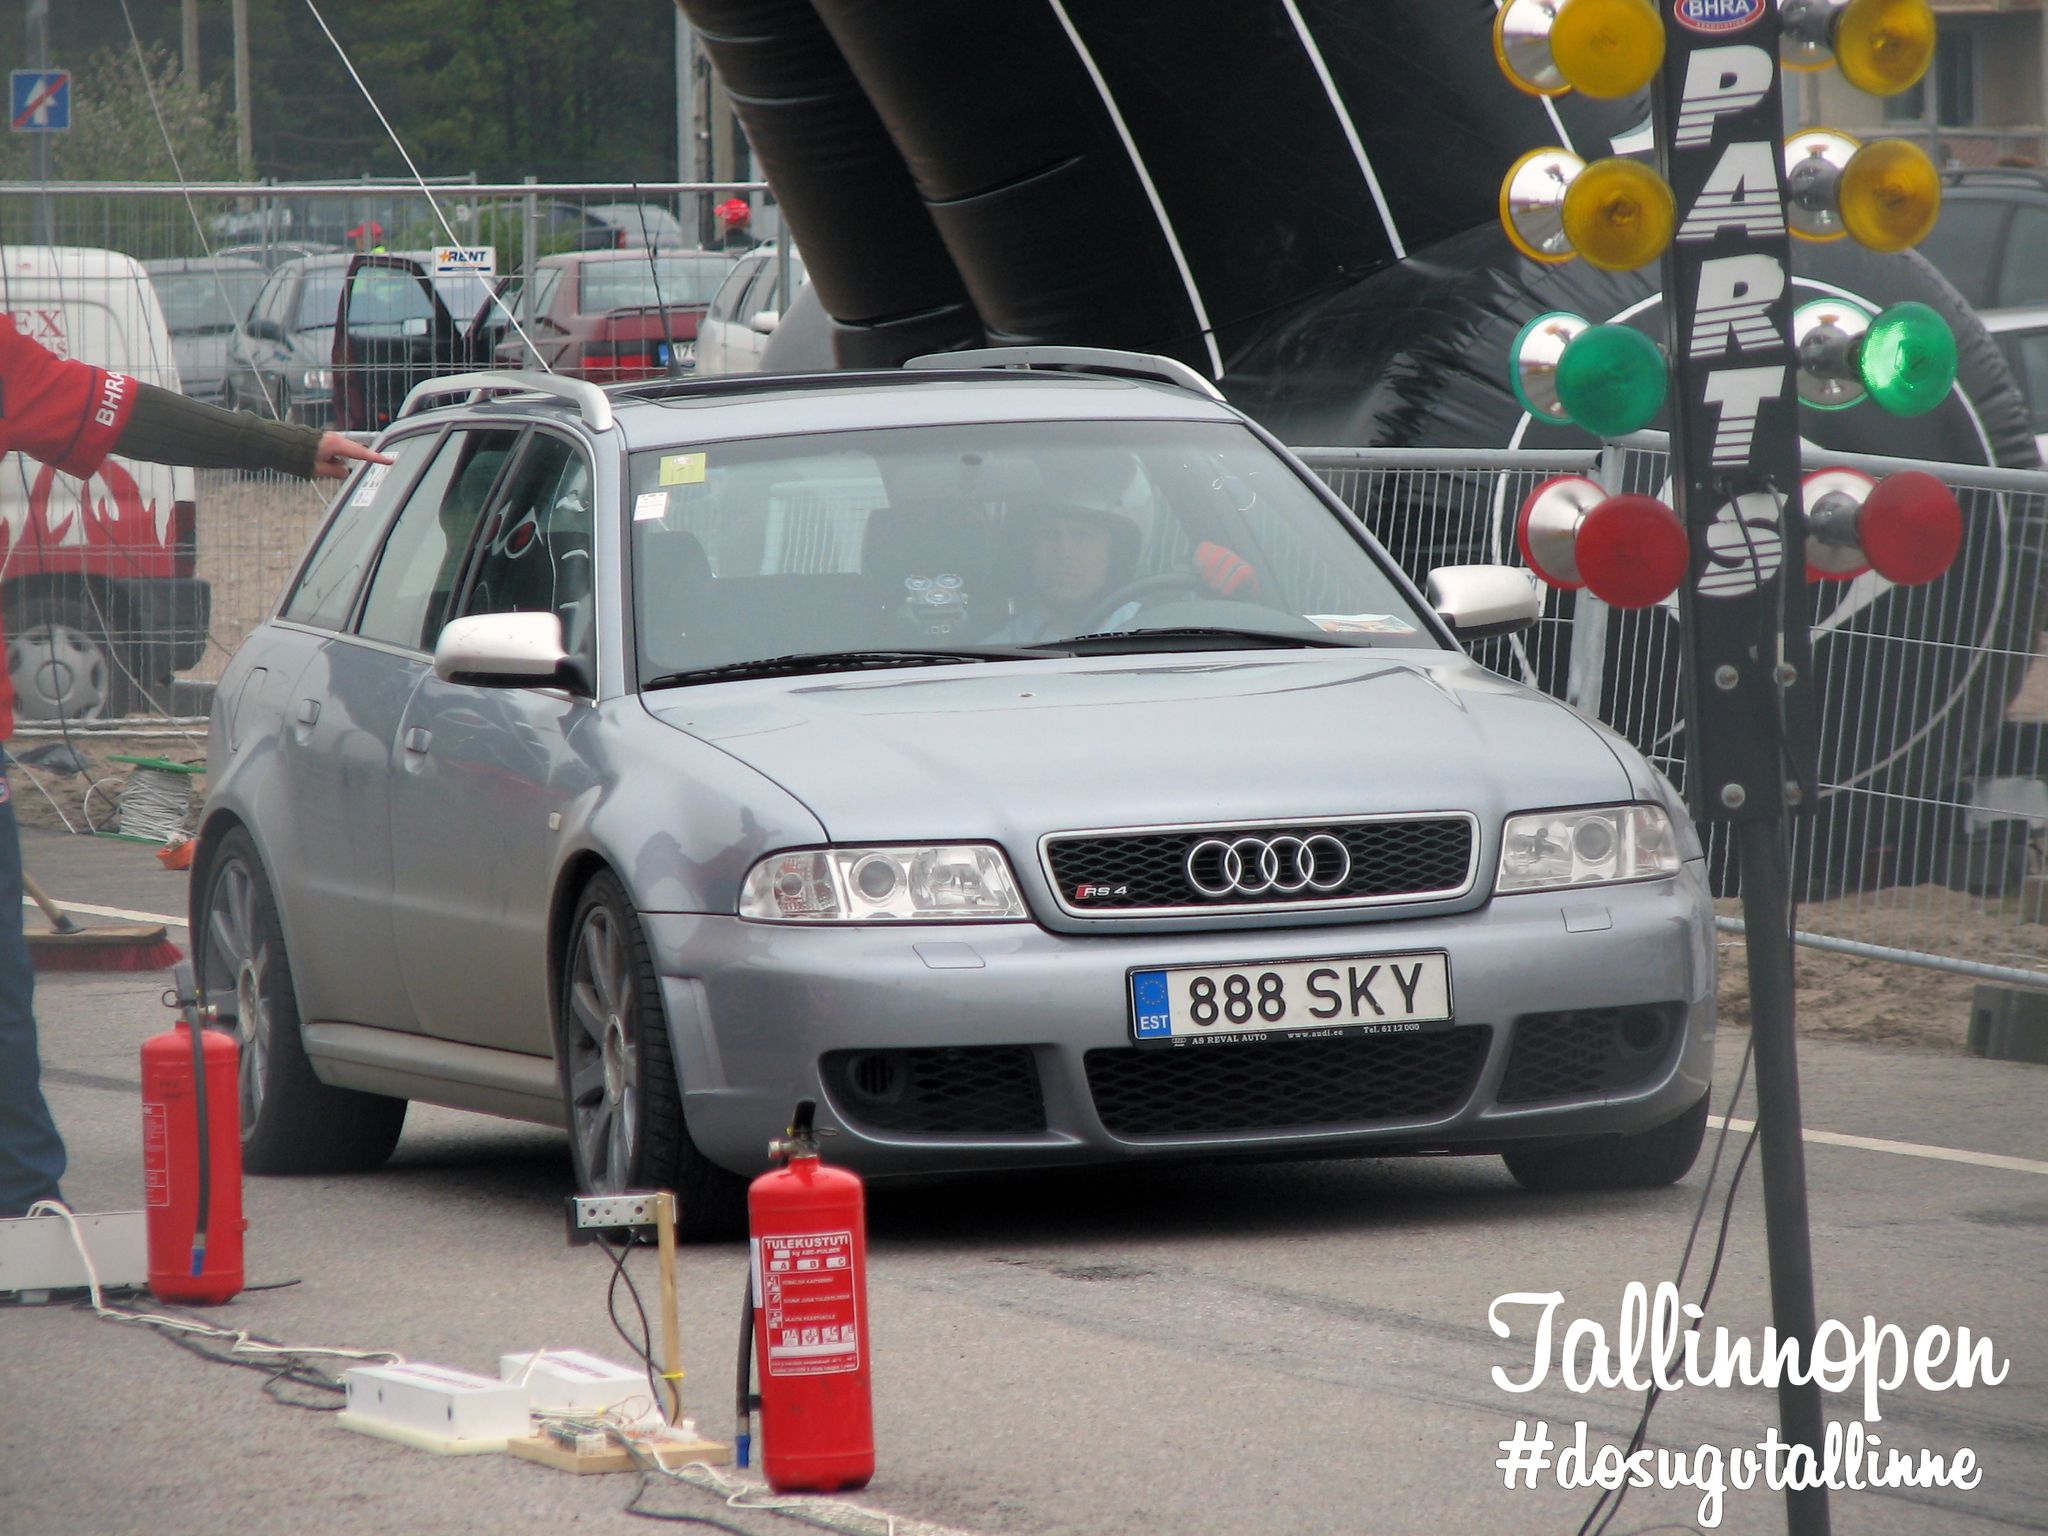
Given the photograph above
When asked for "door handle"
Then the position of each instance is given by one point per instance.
(418, 739)
(309, 711)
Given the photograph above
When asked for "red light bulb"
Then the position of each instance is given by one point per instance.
(1633, 551)
(1911, 528)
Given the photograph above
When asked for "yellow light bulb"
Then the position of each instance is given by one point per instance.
(1619, 214)
(1890, 195)
(1885, 46)
(1607, 48)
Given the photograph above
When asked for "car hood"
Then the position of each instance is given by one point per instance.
(1012, 751)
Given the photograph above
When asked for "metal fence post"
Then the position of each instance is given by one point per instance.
(529, 232)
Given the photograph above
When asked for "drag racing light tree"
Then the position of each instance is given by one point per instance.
(1738, 368)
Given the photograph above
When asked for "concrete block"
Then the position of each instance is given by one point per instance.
(2009, 1024)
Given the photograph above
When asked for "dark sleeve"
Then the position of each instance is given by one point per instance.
(166, 428)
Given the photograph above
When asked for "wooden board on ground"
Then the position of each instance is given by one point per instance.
(549, 1452)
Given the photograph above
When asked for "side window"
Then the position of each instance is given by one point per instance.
(416, 573)
(727, 303)
(383, 302)
(536, 549)
(325, 593)
(760, 293)
(2023, 277)
(1962, 244)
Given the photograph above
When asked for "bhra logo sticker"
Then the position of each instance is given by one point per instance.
(1715, 16)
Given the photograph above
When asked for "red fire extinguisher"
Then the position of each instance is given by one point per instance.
(808, 1314)
(192, 1157)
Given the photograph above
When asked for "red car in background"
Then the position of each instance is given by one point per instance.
(613, 316)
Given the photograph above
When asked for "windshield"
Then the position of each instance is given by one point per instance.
(1010, 534)
(629, 284)
(206, 301)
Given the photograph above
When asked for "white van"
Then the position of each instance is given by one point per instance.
(96, 576)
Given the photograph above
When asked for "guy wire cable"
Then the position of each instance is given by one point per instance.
(654, 277)
(427, 192)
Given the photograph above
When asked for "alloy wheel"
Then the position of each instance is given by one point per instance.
(237, 961)
(603, 1054)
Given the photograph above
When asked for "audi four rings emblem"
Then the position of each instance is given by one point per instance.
(1257, 866)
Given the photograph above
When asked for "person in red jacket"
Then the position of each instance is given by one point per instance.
(72, 415)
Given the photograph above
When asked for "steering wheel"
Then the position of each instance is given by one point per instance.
(1144, 586)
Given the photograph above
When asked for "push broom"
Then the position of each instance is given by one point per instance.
(70, 946)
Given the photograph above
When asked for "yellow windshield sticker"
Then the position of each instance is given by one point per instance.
(682, 469)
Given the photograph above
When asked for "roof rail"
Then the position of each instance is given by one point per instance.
(1130, 365)
(589, 400)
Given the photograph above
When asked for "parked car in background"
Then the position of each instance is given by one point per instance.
(636, 226)
(2022, 335)
(400, 322)
(646, 760)
(277, 252)
(744, 313)
(204, 301)
(572, 227)
(613, 316)
(280, 359)
(96, 576)
(1991, 240)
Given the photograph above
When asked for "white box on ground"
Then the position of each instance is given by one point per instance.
(573, 1380)
(436, 1401)
(37, 1253)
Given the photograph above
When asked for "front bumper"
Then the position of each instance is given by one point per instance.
(753, 1008)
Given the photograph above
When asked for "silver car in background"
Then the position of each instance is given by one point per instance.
(1019, 754)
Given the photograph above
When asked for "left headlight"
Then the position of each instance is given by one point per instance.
(1547, 850)
(869, 885)
(317, 378)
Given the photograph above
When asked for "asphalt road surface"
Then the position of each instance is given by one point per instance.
(1298, 1348)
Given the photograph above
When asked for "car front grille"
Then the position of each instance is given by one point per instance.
(1283, 1084)
(1187, 869)
(1587, 1050)
(978, 1090)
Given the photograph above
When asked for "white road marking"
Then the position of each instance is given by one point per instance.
(1902, 1148)
(133, 917)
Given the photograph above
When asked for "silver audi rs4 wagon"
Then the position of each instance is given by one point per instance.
(1019, 754)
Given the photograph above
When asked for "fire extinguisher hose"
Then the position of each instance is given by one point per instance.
(743, 1396)
(188, 1002)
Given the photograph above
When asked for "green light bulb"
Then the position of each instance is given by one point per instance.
(1908, 359)
(1611, 380)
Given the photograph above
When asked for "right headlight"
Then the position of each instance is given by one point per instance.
(1551, 850)
(947, 883)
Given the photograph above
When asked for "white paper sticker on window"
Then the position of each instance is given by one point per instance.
(369, 485)
(650, 506)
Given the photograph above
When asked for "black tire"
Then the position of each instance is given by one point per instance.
(619, 1088)
(1648, 1160)
(62, 663)
(291, 1121)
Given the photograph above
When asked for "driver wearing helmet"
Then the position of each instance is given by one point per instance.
(1074, 556)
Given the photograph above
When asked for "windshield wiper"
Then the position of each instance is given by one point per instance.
(1143, 639)
(842, 661)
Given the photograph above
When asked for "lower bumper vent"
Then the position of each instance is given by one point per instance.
(975, 1090)
(1282, 1084)
(1588, 1050)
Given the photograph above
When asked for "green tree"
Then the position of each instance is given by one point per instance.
(122, 111)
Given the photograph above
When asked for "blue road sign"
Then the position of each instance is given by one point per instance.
(41, 100)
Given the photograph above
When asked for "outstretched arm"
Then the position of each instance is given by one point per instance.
(167, 428)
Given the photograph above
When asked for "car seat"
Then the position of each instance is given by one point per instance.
(925, 569)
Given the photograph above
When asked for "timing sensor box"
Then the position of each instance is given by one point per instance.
(574, 1381)
(435, 1406)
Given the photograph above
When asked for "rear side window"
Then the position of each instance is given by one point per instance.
(1963, 243)
(422, 557)
(2023, 277)
(327, 590)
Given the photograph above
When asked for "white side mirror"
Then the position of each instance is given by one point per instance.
(507, 650)
(1481, 601)
(766, 321)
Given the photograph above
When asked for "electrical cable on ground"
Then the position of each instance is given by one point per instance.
(285, 1363)
(1655, 1393)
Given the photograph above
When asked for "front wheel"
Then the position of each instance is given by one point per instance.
(1662, 1155)
(619, 1087)
(291, 1121)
